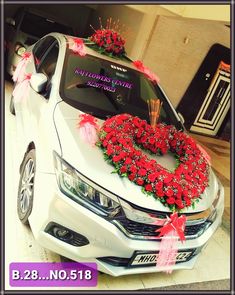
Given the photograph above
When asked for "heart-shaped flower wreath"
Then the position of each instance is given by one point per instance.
(123, 136)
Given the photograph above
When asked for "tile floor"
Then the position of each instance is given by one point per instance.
(21, 247)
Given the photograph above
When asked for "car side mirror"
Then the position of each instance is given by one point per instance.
(181, 118)
(38, 81)
(10, 21)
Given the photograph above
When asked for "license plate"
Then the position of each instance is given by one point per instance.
(151, 258)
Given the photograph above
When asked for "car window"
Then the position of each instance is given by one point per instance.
(40, 48)
(47, 65)
(39, 26)
(104, 89)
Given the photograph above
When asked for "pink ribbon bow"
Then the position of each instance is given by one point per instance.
(148, 73)
(174, 223)
(19, 73)
(77, 46)
(170, 232)
(88, 128)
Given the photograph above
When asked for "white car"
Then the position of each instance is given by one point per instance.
(106, 219)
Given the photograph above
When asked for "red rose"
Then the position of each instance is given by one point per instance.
(131, 176)
(159, 185)
(152, 177)
(171, 201)
(142, 172)
(110, 152)
(188, 201)
(179, 204)
(169, 193)
(160, 193)
(133, 169)
(168, 179)
(140, 181)
(128, 161)
(148, 188)
(123, 169)
(116, 159)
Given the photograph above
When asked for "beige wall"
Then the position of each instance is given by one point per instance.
(209, 12)
(138, 19)
(171, 44)
(177, 48)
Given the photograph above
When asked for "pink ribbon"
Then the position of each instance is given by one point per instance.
(19, 72)
(148, 73)
(22, 88)
(88, 128)
(77, 46)
(174, 223)
(170, 231)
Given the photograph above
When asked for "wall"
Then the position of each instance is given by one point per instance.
(177, 47)
(209, 12)
(138, 19)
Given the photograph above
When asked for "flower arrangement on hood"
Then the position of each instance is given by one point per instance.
(108, 40)
(122, 139)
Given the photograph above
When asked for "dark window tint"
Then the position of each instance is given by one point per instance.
(47, 64)
(38, 26)
(41, 48)
(105, 88)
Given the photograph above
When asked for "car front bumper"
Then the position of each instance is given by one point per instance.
(105, 239)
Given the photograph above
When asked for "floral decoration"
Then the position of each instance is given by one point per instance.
(122, 139)
(109, 41)
(148, 73)
(88, 128)
(19, 73)
(77, 46)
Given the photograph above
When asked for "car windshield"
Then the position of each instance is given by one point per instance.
(39, 26)
(103, 89)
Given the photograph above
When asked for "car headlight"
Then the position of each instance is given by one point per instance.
(83, 191)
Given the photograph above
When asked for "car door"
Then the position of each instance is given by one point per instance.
(34, 110)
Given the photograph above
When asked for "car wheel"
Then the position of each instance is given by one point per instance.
(26, 187)
(12, 107)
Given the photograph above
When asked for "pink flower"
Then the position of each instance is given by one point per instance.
(77, 46)
(148, 73)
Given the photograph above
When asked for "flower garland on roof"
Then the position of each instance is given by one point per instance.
(108, 40)
(123, 136)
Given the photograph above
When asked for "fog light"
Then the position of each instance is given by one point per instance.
(66, 235)
(62, 233)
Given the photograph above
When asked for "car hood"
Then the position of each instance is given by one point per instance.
(89, 161)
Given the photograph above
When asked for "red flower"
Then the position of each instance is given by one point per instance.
(152, 177)
(170, 201)
(128, 161)
(116, 159)
(179, 204)
(148, 188)
(131, 176)
(123, 169)
(142, 172)
(169, 193)
(187, 182)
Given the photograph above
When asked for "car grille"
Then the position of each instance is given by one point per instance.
(138, 230)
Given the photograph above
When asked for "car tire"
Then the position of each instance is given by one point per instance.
(26, 187)
(12, 107)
